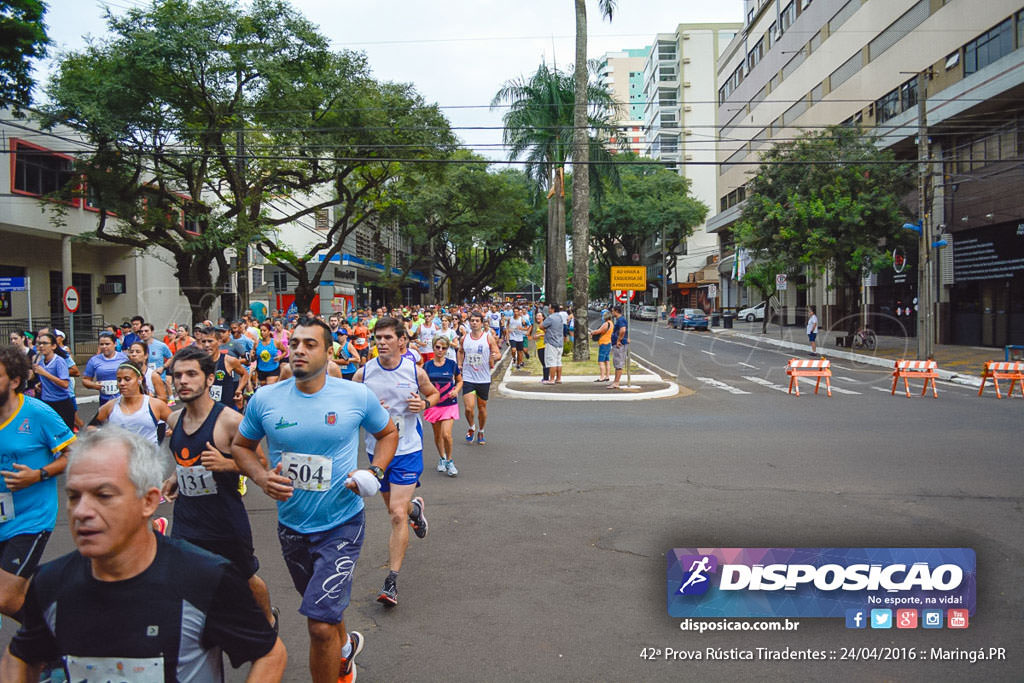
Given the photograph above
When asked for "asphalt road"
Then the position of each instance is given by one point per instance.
(545, 559)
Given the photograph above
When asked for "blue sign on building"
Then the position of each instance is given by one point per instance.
(12, 284)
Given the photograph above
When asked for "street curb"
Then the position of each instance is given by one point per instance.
(947, 375)
(671, 390)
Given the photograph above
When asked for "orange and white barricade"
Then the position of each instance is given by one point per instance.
(997, 370)
(905, 369)
(809, 368)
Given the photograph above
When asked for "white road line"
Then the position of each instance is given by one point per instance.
(707, 352)
(765, 383)
(721, 385)
(838, 390)
(747, 365)
(883, 390)
(680, 343)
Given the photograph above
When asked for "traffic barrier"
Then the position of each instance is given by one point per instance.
(905, 369)
(997, 370)
(809, 368)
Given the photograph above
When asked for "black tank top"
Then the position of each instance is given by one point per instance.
(214, 516)
(225, 379)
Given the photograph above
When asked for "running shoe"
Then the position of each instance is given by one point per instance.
(469, 435)
(347, 670)
(160, 525)
(389, 593)
(441, 465)
(480, 439)
(276, 613)
(452, 470)
(417, 520)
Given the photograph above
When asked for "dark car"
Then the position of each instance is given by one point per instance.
(689, 319)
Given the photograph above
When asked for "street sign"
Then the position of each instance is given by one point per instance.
(780, 282)
(71, 300)
(12, 284)
(629, 277)
(712, 291)
(622, 296)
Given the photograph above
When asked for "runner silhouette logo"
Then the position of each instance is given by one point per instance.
(695, 579)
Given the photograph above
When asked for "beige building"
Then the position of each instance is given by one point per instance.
(801, 65)
(622, 74)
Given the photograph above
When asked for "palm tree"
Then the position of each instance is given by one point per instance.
(539, 130)
(581, 181)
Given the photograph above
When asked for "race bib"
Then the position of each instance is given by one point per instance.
(196, 481)
(361, 341)
(109, 387)
(307, 472)
(6, 506)
(114, 669)
(475, 358)
(216, 392)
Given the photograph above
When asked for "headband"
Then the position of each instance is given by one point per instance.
(130, 366)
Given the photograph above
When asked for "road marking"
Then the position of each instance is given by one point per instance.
(765, 383)
(747, 365)
(883, 390)
(721, 385)
(680, 343)
(707, 352)
(657, 337)
(838, 390)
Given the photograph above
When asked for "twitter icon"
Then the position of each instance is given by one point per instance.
(881, 618)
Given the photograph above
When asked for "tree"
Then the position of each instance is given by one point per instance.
(649, 201)
(22, 38)
(828, 199)
(184, 104)
(539, 128)
(581, 186)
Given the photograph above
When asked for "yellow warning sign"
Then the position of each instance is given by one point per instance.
(629, 277)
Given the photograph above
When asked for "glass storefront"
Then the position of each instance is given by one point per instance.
(987, 301)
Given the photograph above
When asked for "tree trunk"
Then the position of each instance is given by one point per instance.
(305, 292)
(556, 253)
(549, 270)
(196, 285)
(580, 191)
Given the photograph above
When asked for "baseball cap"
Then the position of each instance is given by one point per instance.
(58, 333)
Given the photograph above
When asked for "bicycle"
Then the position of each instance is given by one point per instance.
(865, 338)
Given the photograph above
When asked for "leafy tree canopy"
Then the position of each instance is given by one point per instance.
(22, 39)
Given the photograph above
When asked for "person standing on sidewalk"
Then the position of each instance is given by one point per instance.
(603, 335)
(620, 345)
(553, 326)
(812, 329)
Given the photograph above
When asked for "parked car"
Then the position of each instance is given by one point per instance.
(689, 319)
(646, 313)
(753, 313)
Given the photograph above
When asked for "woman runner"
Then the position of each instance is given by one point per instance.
(445, 375)
(133, 409)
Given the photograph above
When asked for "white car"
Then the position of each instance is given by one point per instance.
(753, 313)
(646, 313)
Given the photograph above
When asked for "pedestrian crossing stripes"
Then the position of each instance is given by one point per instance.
(721, 385)
(765, 383)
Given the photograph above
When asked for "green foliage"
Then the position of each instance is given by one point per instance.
(647, 199)
(827, 198)
(22, 39)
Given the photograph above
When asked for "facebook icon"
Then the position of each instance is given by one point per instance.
(856, 618)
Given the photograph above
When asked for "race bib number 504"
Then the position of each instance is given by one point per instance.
(307, 472)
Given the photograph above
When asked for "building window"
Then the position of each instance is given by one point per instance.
(988, 47)
(755, 55)
(887, 106)
(41, 173)
(787, 17)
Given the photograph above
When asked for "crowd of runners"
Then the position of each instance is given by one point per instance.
(190, 419)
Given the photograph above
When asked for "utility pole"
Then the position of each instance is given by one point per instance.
(925, 305)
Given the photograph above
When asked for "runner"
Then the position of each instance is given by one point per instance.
(517, 325)
(208, 507)
(155, 385)
(494, 321)
(101, 370)
(52, 371)
(477, 356)
(133, 410)
(398, 382)
(445, 375)
(361, 338)
(226, 389)
(130, 604)
(159, 352)
(346, 358)
(32, 443)
(311, 424)
(425, 339)
(269, 353)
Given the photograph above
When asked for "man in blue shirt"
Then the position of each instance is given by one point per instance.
(32, 442)
(135, 334)
(620, 341)
(159, 353)
(311, 423)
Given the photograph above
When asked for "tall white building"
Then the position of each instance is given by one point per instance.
(622, 74)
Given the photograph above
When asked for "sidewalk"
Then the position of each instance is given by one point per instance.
(961, 364)
(644, 384)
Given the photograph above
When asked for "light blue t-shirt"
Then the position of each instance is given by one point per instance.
(159, 354)
(58, 367)
(32, 437)
(322, 424)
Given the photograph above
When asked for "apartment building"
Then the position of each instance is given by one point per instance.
(41, 229)
(802, 64)
(679, 90)
(622, 74)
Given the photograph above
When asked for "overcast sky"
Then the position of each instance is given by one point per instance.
(457, 53)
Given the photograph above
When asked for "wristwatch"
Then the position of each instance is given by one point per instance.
(43, 474)
(377, 472)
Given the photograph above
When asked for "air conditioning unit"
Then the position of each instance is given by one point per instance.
(686, 84)
(687, 107)
(686, 60)
(108, 288)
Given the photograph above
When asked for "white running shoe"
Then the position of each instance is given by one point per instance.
(441, 464)
(452, 470)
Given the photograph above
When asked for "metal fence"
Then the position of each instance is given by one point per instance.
(87, 327)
